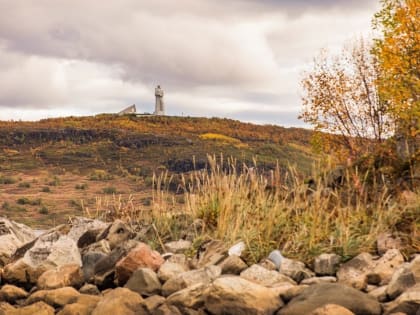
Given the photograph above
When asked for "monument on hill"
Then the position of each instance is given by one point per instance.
(129, 110)
(159, 105)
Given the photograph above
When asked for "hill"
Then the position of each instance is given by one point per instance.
(57, 167)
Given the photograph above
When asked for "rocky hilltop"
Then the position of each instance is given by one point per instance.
(91, 267)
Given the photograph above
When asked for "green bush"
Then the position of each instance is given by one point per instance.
(27, 201)
(100, 175)
(109, 190)
(7, 180)
(24, 185)
(46, 189)
(81, 186)
(43, 210)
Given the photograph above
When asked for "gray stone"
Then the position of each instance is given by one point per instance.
(318, 280)
(235, 295)
(295, 269)
(326, 264)
(116, 234)
(178, 247)
(262, 276)
(401, 280)
(316, 296)
(12, 236)
(379, 293)
(80, 225)
(145, 282)
(169, 270)
(385, 267)
(186, 279)
(408, 302)
(233, 265)
(190, 297)
(354, 272)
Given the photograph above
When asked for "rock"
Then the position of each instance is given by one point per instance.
(276, 258)
(211, 253)
(401, 280)
(331, 309)
(386, 241)
(104, 268)
(190, 297)
(120, 301)
(354, 272)
(84, 305)
(169, 270)
(318, 280)
(80, 225)
(90, 289)
(265, 277)
(153, 302)
(166, 309)
(186, 279)
(63, 276)
(145, 282)
(233, 265)
(178, 246)
(295, 269)
(269, 265)
(141, 256)
(21, 273)
(12, 236)
(385, 267)
(408, 302)
(178, 259)
(117, 233)
(282, 288)
(6, 308)
(92, 254)
(379, 294)
(331, 293)
(49, 251)
(10, 293)
(236, 295)
(292, 292)
(56, 298)
(38, 308)
(237, 249)
(326, 264)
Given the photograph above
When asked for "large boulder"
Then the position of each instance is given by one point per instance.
(141, 256)
(12, 236)
(318, 295)
(49, 251)
(235, 295)
(80, 225)
(265, 277)
(120, 301)
(186, 279)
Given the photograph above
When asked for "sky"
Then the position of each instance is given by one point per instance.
(240, 59)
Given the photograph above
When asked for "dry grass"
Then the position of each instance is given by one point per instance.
(269, 211)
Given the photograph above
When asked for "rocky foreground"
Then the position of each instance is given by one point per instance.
(91, 267)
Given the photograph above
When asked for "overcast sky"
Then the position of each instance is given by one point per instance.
(240, 59)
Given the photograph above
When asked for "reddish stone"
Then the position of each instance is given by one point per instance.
(141, 256)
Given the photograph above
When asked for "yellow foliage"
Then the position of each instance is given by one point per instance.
(222, 139)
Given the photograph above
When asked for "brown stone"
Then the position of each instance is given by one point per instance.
(64, 276)
(120, 301)
(38, 308)
(11, 294)
(331, 309)
(56, 298)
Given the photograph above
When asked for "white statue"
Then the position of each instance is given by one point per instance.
(159, 106)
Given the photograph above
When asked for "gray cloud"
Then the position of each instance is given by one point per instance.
(225, 57)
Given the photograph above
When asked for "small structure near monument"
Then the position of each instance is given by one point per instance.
(129, 110)
(159, 104)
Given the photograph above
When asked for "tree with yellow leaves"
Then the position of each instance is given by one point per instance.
(398, 52)
(341, 99)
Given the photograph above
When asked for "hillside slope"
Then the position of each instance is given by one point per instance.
(71, 163)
